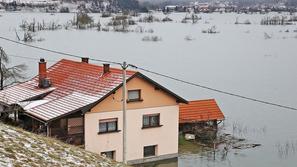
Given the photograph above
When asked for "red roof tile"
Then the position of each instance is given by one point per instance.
(200, 110)
(74, 85)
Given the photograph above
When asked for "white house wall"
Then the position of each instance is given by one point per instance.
(165, 137)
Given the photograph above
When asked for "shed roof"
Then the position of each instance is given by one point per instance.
(200, 110)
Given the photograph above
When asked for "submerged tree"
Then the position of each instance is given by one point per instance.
(9, 75)
(83, 20)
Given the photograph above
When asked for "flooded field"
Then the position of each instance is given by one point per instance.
(252, 60)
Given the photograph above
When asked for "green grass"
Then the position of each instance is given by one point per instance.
(185, 146)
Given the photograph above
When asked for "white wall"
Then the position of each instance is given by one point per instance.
(98, 143)
(166, 137)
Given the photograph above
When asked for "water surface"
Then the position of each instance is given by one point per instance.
(238, 59)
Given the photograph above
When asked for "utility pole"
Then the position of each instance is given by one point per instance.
(124, 67)
(2, 54)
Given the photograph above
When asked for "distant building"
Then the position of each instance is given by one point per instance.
(203, 7)
(37, 3)
(170, 8)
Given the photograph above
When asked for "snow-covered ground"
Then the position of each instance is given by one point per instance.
(21, 148)
(35, 2)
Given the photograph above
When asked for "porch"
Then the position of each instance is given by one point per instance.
(69, 129)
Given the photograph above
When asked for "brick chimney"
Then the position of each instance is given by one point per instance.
(44, 82)
(106, 68)
(85, 59)
(42, 70)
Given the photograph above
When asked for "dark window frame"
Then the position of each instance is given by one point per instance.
(107, 153)
(136, 99)
(151, 125)
(146, 153)
(106, 122)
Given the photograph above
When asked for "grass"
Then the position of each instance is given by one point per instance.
(22, 148)
(192, 147)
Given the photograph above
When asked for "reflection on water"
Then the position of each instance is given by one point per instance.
(166, 163)
(286, 149)
(241, 130)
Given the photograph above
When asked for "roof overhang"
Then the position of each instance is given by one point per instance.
(198, 121)
(179, 99)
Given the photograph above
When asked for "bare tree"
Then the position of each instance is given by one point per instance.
(9, 75)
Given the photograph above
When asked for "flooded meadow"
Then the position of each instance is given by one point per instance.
(253, 60)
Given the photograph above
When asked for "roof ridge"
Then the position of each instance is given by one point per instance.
(202, 100)
(89, 64)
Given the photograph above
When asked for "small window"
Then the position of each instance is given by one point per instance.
(108, 154)
(134, 95)
(75, 125)
(108, 125)
(151, 121)
(149, 151)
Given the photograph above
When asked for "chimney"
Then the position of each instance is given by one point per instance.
(85, 59)
(42, 70)
(44, 82)
(105, 68)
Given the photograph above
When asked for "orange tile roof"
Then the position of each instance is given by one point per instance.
(200, 110)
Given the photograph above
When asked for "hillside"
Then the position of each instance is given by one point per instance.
(22, 148)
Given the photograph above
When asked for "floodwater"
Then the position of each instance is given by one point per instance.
(238, 59)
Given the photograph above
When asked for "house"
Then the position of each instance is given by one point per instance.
(170, 8)
(198, 114)
(81, 103)
(203, 7)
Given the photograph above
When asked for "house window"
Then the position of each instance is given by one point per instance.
(149, 151)
(75, 125)
(151, 120)
(134, 95)
(108, 154)
(108, 125)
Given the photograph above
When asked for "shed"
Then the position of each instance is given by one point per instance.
(199, 113)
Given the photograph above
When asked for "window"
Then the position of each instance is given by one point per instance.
(75, 125)
(109, 154)
(149, 151)
(151, 121)
(134, 95)
(108, 125)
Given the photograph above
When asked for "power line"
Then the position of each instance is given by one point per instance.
(214, 89)
(31, 58)
(57, 52)
(155, 73)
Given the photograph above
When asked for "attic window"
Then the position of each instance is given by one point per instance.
(134, 95)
